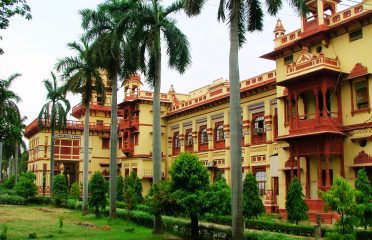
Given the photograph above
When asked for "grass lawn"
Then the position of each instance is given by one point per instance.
(44, 221)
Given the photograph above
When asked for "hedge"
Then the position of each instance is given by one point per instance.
(12, 200)
(182, 227)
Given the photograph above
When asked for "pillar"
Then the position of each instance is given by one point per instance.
(307, 183)
(195, 135)
(181, 136)
(298, 162)
(328, 177)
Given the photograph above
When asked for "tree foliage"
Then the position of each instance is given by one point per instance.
(160, 199)
(132, 190)
(295, 204)
(60, 193)
(120, 188)
(26, 186)
(98, 188)
(341, 199)
(74, 191)
(364, 198)
(219, 197)
(252, 203)
(190, 183)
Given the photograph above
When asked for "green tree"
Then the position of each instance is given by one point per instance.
(364, 198)
(190, 182)
(152, 24)
(8, 112)
(97, 192)
(160, 199)
(252, 203)
(132, 190)
(295, 204)
(120, 188)
(219, 197)
(26, 186)
(9, 183)
(53, 115)
(23, 162)
(82, 76)
(243, 17)
(74, 191)
(9, 8)
(60, 193)
(341, 198)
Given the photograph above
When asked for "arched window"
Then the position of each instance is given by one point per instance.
(259, 126)
(189, 138)
(203, 135)
(219, 132)
(176, 140)
(261, 181)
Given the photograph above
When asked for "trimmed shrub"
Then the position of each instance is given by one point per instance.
(40, 200)
(121, 205)
(6, 191)
(60, 190)
(26, 186)
(338, 236)
(294, 203)
(9, 183)
(252, 203)
(143, 208)
(12, 200)
(74, 191)
(97, 190)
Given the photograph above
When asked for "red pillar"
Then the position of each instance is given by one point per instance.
(307, 183)
(290, 112)
(320, 179)
(328, 177)
(324, 93)
(297, 116)
(342, 172)
(317, 113)
(292, 161)
(298, 162)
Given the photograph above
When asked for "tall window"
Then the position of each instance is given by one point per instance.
(105, 143)
(176, 140)
(259, 125)
(203, 135)
(261, 181)
(219, 132)
(361, 92)
(188, 137)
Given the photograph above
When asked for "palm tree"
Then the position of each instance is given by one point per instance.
(152, 23)
(244, 16)
(83, 77)
(8, 106)
(107, 53)
(53, 114)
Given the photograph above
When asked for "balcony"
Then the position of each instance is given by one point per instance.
(125, 123)
(79, 110)
(129, 123)
(308, 63)
(128, 147)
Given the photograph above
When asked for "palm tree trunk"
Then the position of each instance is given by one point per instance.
(113, 144)
(156, 133)
(51, 180)
(1, 160)
(235, 128)
(86, 159)
(16, 161)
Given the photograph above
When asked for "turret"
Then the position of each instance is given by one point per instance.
(279, 30)
(132, 85)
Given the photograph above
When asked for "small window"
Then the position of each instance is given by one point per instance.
(105, 143)
(324, 177)
(259, 126)
(358, 34)
(99, 122)
(361, 90)
(261, 181)
(189, 138)
(288, 59)
(203, 136)
(219, 133)
(176, 140)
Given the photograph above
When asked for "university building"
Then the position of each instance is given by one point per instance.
(310, 117)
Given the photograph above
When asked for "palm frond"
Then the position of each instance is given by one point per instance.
(193, 7)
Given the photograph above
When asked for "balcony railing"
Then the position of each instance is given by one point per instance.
(316, 63)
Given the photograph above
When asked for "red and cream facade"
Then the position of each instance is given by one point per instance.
(310, 118)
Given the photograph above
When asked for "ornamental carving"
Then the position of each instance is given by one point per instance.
(357, 71)
(288, 163)
(362, 157)
(305, 56)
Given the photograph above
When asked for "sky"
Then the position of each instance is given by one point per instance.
(33, 47)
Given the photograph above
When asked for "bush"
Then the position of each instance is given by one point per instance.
(120, 204)
(26, 186)
(143, 208)
(338, 236)
(97, 190)
(119, 188)
(12, 199)
(6, 191)
(294, 203)
(9, 183)
(74, 191)
(183, 227)
(252, 203)
(4, 233)
(60, 190)
(40, 200)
